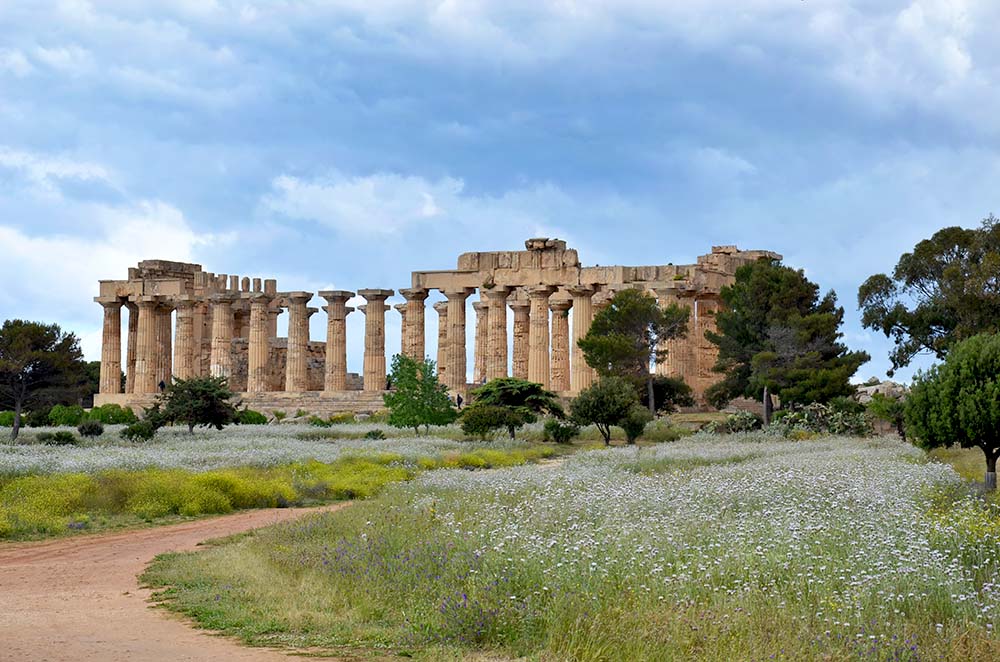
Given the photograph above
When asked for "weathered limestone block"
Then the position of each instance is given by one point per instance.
(184, 345)
(522, 323)
(414, 332)
(335, 377)
(496, 335)
(480, 353)
(111, 347)
(538, 334)
(455, 355)
(374, 311)
(581, 374)
(441, 308)
(560, 377)
(296, 375)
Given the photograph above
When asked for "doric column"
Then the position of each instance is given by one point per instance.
(522, 324)
(374, 368)
(296, 360)
(496, 333)
(538, 334)
(164, 349)
(184, 340)
(199, 334)
(337, 310)
(111, 347)
(259, 345)
(401, 309)
(221, 361)
(560, 344)
(581, 374)
(413, 323)
(455, 355)
(441, 308)
(133, 329)
(145, 343)
(480, 351)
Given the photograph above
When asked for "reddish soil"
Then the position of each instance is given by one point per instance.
(79, 598)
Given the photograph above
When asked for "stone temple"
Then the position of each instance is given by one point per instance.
(186, 322)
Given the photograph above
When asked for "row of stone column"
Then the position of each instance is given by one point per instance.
(151, 361)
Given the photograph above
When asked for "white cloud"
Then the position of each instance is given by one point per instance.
(15, 62)
(45, 170)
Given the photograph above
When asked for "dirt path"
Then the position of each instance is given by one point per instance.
(79, 598)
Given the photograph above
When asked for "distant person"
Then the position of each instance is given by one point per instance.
(458, 400)
(162, 385)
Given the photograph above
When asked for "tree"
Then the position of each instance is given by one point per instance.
(605, 404)
(519, 402)
(39, 364)
(628, 337)
(204, 401)
(418, 398)
(958, 401)
(669, 393)
(943, 292)
(777, 336)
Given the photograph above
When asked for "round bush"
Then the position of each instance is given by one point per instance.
(141, 431)
(561, 432)
(250, 417)
(61, 438)
(90, 429)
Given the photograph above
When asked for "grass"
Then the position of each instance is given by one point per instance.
(969, 463)
(33, 506)
(710, 548)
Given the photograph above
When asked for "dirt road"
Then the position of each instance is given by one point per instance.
(79, 598)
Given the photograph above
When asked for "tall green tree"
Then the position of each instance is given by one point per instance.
(777, 336)
(627, 338)
(511, 403)
(203, 401)
(945, 290)
(958, 401)
(607, 403)
(417, 397)
(39, 364)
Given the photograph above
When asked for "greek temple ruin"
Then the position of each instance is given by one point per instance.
(185, 322)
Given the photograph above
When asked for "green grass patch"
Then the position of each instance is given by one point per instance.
(970, 463)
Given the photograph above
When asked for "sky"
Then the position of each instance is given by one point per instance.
(343, 144)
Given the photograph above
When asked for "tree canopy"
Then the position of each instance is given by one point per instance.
(776, 333)
(39, 365)
(607, 403)
(945, 290)
(204, 401)
(628, 337)
(509, 403)
(418, 398)
(958, 401)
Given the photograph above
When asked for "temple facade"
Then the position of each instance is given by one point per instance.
(185, 322)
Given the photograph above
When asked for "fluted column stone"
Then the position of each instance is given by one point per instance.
(259, 344)
(441, 308)
(221, 360)
(145, 354)
(560, 378)
(184, 340)
(496, 333)
(522, 324)
(111, 347)
(337, 310)
(374, 310)
(296, 360)
(581, 374)
(164, 350)
(455, 355)
(538, 334)
(133, 329)
(414, 333)
(480, 353)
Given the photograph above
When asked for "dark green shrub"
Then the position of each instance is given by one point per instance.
(605, 404)
(37, 418)
(375, 434)
(299, 413)
(635, 423)
(140, 431)
(279, 415)
(90, 429)
(821, 419)
(61, 438)
(6, 419)
(741, 421)
(112, 414)
(250, 417)
(66, 415)
(561, 432)
(319, 422)
(481, 420)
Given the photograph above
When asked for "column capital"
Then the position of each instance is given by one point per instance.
(400, 308)
(459, 293)
(259, 298)
(540, 291)
(415, 293)
(441, 307)
(375, 294)
(297, 297)
(496, 292)
(333, 296)
(109, 303)
(224, 297)
(185, 303)
(518, 304)
(479, 306)
(363, 308)
(311, 311)
(560, 305)
(582, 290)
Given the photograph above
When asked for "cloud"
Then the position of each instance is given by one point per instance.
(45, 171)
(14, 62)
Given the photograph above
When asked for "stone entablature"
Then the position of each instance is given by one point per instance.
(227, 325)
